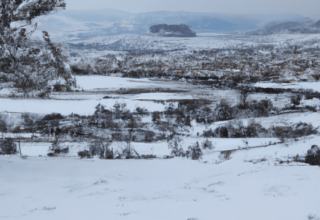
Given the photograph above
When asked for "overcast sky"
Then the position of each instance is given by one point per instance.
(304, 7)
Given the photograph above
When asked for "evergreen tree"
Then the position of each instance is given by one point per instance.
(31, 65)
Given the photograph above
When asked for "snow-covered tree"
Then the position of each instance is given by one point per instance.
(30, 65)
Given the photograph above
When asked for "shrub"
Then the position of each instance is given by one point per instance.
(120, 111)
(84, 154)
(303, 129)
(178, 152)
(253, 109)
(297, 130)
(148, 156)
(207, 145)
(58, 87)
(313, 217)
(311, 108)
(222, 131)
(3, 125)
(101, 148)
(149, 136)
(142, 111)
(209, 133)
(313, 155)
(53, 116)
(316, 76)
(7, 147)
(194, 152)
(236, 129)
(295, 100)
(96, 147)
(56, 148)
(224, 111)
(28, 122)
(176, 148)
(170, 111)
(76, 70)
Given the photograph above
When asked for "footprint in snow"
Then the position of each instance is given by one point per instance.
(278, 190)
(48, 208)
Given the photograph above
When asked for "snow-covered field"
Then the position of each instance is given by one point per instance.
(102, 82)
(67, 188)
(66, 107)
(253, 183)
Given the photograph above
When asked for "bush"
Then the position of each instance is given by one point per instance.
(28, 122)
(79, 71)
(224, 111)
(148, 156)
(142, 111)
(178, 152)
(96, 147)
(51, 155)
(207, 145)
(253, 109)
(3, 125)
(156, 116)
(194, 152)
(297, 130)
(84, 154)
(57, 149)
(61, 150)
(222, 131)
(316, 76)
(295, 100)
(101, 148)
(7, 147)
(209, 133)
(58, 87)
(53, 116)
(176, 148)
(16, 130)
(149, 136)
(236, 129)
(313, 155)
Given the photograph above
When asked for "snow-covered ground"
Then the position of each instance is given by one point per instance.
(239, 188)
(66, 107)
(250, 185)
(103, 82)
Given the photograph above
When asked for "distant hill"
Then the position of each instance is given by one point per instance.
(317, 24)
(306, 27)
(165, 30)
(91, 23)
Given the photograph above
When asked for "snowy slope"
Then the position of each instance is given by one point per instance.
(64, 188)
